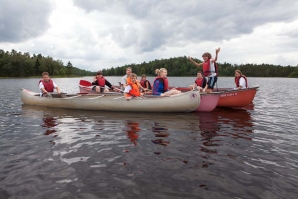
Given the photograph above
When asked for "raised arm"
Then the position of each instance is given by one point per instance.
(216, 54)
(195, 63)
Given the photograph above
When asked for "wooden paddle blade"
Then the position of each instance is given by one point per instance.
(85, 83)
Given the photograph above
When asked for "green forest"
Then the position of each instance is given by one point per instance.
(181, 66)
(17, 64)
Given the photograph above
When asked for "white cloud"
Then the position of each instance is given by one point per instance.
(93, 35)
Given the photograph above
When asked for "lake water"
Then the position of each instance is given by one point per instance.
(59, 153)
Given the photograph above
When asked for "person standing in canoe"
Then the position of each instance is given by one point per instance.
(100, 82)
(240, 80)
(47, 85)
(124, 78)
(209, 66)
(160, 85)
(200, 82)
(132, 88)
(145, 83)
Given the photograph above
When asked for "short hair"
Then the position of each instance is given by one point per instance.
(200, 72)
(133, 75)
(206, 54)
(99, 73)
(45, 73)
(128, 68)
(143, 75)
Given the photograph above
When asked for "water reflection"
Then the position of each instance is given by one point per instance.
(160, 130)
(132, 129)
(49, 123)
(236, 124)
(224, 127)
(105, 149)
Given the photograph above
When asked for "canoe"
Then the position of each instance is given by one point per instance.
(184, 102)
(236, 98)
(229, 98)
(208, 101)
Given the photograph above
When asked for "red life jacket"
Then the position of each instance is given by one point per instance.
(207, 70)
(165, 83)
(237, 81)
(200, 81)
(48, 86)
(135, 89)
(101, 81)
(143, 84)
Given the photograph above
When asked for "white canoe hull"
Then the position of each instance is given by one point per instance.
(184, 102)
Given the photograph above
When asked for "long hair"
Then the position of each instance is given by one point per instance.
(238, 71)
(158, 71)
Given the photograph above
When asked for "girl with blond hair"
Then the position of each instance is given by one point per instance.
(161, 84)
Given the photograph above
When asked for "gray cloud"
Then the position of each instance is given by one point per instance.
(166, 22)
(22, 20)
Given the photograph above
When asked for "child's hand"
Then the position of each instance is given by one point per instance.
(217, 50)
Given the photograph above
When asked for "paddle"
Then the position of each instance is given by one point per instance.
(118, 90)
(85, 83)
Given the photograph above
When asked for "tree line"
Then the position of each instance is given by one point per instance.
(181, 66)
(17, 64)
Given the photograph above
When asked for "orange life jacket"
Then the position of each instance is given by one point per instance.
(135, 89)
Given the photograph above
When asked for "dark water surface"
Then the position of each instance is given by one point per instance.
(59, 153)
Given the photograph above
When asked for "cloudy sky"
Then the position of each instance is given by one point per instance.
(97, 34)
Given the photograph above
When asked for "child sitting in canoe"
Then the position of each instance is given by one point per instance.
(100, 82)
(240, 80)
(160, 85)
(132, 88)
(145, 83)
(200, 82)
(47, 85)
